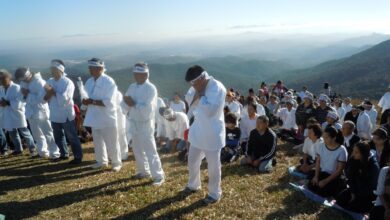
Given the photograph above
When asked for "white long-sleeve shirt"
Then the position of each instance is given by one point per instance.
(13, 115)
(384, 102)
(145, 98)
(104, 89)
(363, 126)
(341, 113)
(246, 126)
(36, 106)
(235, 108)
(373, 114)
(61, 105)
(208, 130)
(175, 129)
(288, 118)
(178, 107)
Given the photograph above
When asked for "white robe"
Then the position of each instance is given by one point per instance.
(61, 105)
(373, 114)
(141, 119)
(121, 127)
(37, 114)
(103, 119)
(208, 130)
(235, 108)
(14, 114)
(175, 129)
(288, 118)
(363, 126)
(384, 102)
(160, 121)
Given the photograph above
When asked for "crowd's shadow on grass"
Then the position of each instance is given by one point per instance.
(147, 211)
(28, 209)
(40, 180)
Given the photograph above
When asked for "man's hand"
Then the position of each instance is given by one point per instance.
(305, 168)
(3, 103)
(129, 101)
(25, 92)
(87, 101)
(314, 181)
(322, 183)
(256, 163)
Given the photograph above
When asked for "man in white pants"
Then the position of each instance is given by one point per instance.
(101, 115)
(37, 112)
(140, 101)
(207, 133)
(121, 126)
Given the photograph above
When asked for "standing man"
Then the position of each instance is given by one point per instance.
(140, 101)
(101, 115)
(37, 111)
(207, 133)
(13, 118)
(59, 93)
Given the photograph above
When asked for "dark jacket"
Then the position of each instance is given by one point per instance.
(355, 139)
(302, 114)
(320, 114)
(385, 156)
(262, 147)
(362, 181)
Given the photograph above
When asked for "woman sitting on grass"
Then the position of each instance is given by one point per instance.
(310, 146)
(331, 157)
(362, 172)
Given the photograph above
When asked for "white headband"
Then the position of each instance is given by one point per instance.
(203, 74)
(27, 73)
(58, 65)
(140, 69)
(95, 64)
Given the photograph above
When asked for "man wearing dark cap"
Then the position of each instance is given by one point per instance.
(207, 133)
(37, 111)
(13, 117)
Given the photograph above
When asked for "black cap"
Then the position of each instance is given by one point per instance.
(193, 72)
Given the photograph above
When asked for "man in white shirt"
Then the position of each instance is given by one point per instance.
(347, 105)
(37, 111)
(101, 115)
(177, 104)
(176, 123)
(371, 112)
(232, 104)
(59, 94)
(207, 133)
(384, 102)
(363, 124)
(287, 115)
(13, 114)
(140, 101)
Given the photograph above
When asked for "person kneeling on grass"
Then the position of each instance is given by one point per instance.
(232, 149)
(261, 146)
(362, 172)
(331, 157)
(310, 146)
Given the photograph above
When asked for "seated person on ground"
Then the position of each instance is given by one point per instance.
(231, 151)
(362, 172)
(176, 123)
(330, 162)
(261, 146)
(310, 147)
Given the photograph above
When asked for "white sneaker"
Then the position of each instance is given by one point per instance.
(98, 166)
(116, 168)
(158, 182)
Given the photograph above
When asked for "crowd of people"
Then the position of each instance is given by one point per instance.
(346, 151)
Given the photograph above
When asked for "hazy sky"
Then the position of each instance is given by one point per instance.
(116, 21)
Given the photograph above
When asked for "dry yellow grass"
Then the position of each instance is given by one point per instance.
(38, 189)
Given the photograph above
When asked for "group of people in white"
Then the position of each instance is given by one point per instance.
(336, 137)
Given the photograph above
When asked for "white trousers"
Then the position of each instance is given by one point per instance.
(195, 157)
(144, 148)
(105, 141)
(123, 143)
(42, 133)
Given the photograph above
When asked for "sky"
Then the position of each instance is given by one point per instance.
(53, 22)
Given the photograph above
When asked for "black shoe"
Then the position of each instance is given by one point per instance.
(75, 162)
(58, 159)
(210, 200)
(3, 154)
(16, 153)
(188, 191)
